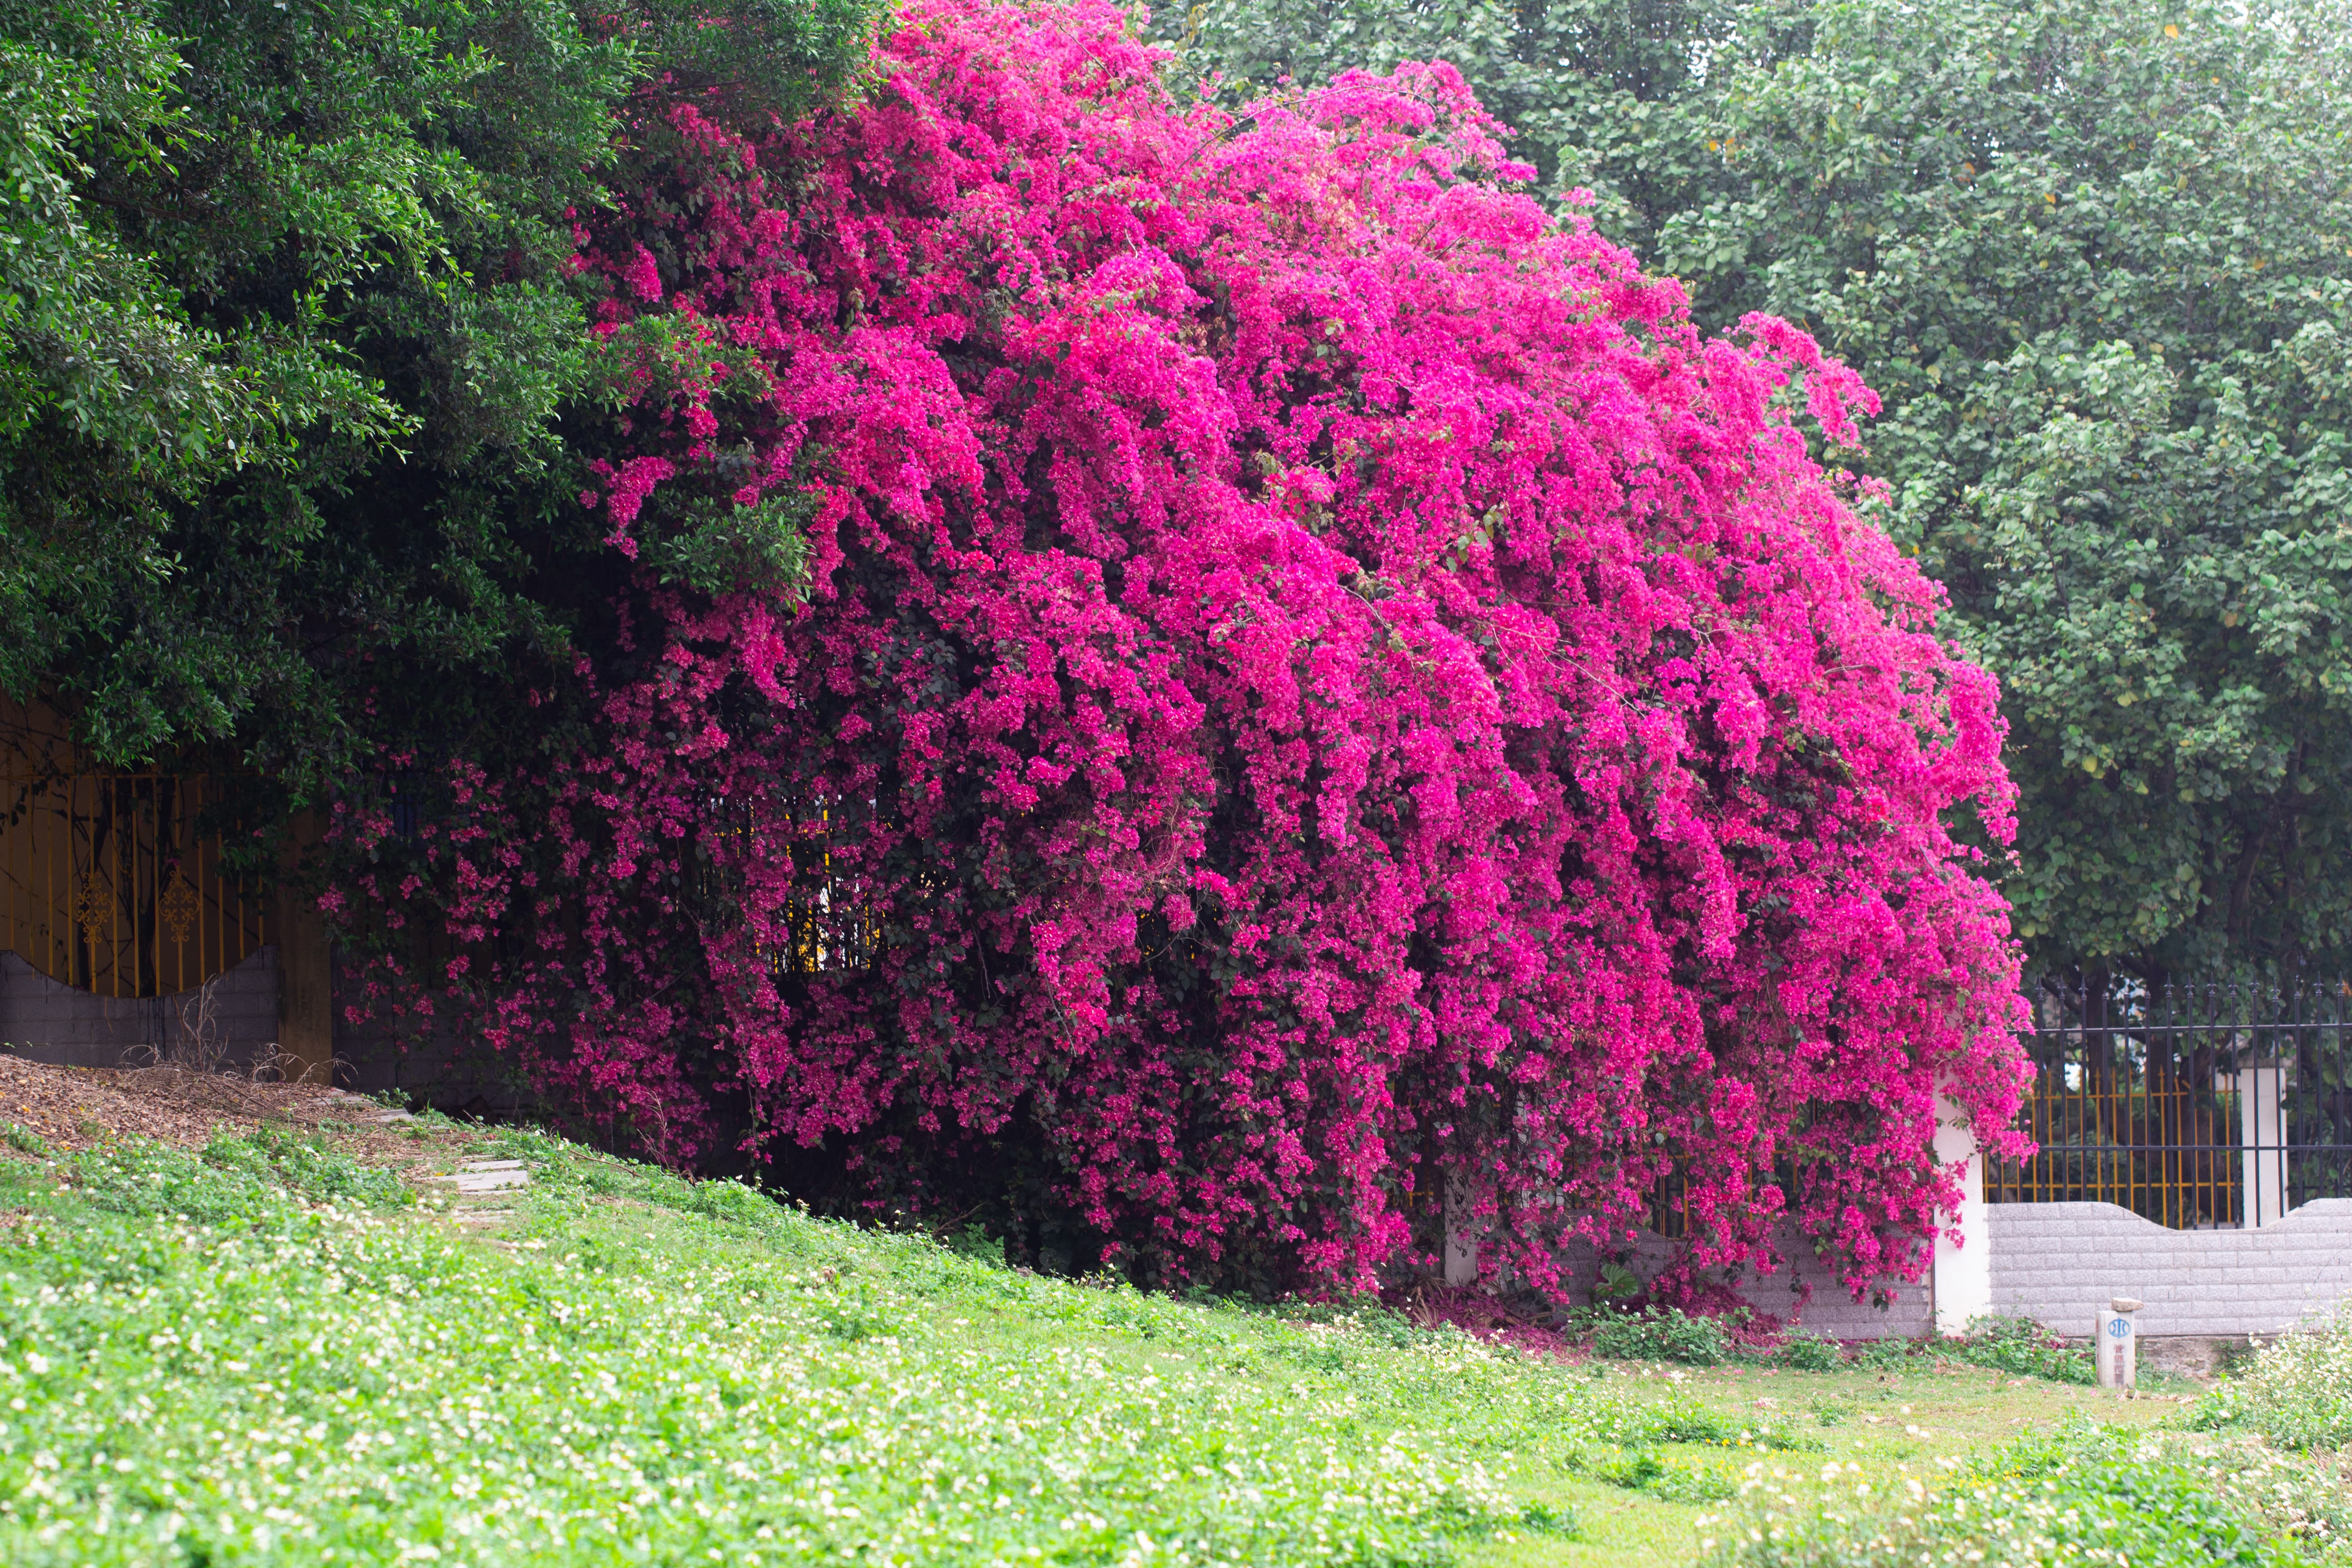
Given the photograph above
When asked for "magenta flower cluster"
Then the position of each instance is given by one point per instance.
(1316, 687)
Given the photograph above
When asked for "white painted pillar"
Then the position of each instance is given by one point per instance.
(2262, 1141)
(1963, 1270)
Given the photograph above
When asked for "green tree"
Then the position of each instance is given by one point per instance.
(1605, 95)
(293, 368)
(2097, 255)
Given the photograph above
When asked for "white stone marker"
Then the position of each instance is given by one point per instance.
(2116, 1343)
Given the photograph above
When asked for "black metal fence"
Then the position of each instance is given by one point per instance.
(2191, 1105)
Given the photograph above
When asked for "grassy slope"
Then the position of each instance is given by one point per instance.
(265, 1357)
(1921, 1421)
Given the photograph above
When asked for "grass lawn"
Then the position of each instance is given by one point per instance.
(272, 1350)
(1892, 1423)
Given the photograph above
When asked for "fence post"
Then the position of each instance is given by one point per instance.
(2262, 1141)
(1963, 1270)
(306, 981)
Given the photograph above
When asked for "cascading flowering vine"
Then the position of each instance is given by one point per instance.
(1315, 687)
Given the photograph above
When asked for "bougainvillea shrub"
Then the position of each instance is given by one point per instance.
(1316, 698)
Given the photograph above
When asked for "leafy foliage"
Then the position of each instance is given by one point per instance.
(2090, 253)
(306, 1165)
(1802, 1351)
(1318, 687)
(2297, 1392)
(2093, 257)
(287, 329)
(2022, 1346)
(23, 1138)
(1665, 1335)
(2083, 1494)
(1606, 97)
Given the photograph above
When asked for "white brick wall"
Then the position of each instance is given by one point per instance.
(44, 1021)
(2059, 1263)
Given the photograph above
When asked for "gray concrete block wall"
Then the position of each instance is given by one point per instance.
(1830, 1310)
(2059, 1263)
(1833, 1312)
(44, 1020)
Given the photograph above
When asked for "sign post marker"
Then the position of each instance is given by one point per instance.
(2114, 1343)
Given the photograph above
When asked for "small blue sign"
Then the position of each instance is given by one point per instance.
(2119, 1328)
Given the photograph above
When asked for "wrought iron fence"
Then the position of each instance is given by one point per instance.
(117, 883)
(2192, 1105)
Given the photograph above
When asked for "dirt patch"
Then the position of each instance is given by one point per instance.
(75, 1108)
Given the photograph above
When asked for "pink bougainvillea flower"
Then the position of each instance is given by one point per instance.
(1317, 686)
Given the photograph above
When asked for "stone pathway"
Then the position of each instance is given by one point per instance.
(382, 1115)
(476, 1181)
(478, 1186)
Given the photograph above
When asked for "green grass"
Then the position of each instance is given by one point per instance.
(269, 1353)
(2087, 1493)
(2296, 1392)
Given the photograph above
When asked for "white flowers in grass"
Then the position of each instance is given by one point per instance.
(2089, 1495)
(2298, 1391)
(343, 1386)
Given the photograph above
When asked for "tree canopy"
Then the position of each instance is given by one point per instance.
(2093, 255)
(291, 349)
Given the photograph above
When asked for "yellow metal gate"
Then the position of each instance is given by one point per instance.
(117, 884)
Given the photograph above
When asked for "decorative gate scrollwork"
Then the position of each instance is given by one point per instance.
(118, 883)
